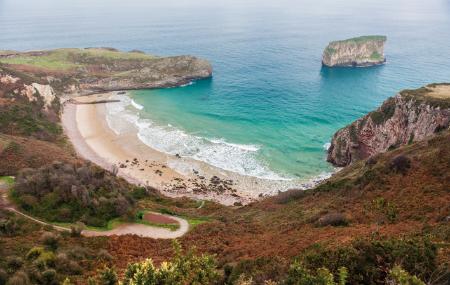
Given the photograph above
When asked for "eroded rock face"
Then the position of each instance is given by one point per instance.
(358, 52)
(412, 115)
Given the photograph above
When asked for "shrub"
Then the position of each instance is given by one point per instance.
(19, 278)
(333, 219)
(64, 264)
(14, 263)
(77, 229)
(258, 270)
(299, 275)
(384, 210)
(51, 240)
(9, 226)
(368, 259)
(49, 276)
(3, 277)
(400, 164)
(182, 269)
(41, 258)
(289, 195)
(66, 193)
(108, 276)
(104, 255)
(398, 276)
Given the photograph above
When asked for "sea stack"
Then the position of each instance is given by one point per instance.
(355, 52)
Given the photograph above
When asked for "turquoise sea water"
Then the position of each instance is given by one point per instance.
(270, 107)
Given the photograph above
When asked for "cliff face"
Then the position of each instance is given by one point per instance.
(361, 51)
(412, 115)
(85, 71)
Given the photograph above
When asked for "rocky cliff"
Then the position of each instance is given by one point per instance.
(412, 115)
(91, 70)
(360, 51)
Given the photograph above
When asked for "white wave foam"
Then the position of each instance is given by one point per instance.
(136, 105)
(233, 157)
(326, 146)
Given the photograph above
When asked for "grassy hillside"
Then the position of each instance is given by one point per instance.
(67, 59)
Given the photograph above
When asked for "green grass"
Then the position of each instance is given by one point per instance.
(193, 222)
(54, 61)
(7, 179)
(363, 39)
(66, 59)
(376, 56)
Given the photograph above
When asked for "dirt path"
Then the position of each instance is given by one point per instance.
(123, 229)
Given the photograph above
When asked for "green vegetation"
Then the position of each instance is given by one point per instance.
(44, 259)
(66, 193)
(362, 39)
(7, 179)
(366, 259)
(376, 56)
(66, 59)
(384, 113)
(26, 118)
(182, 269)
(329, 50)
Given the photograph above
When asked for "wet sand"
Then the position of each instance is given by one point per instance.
(87, 128)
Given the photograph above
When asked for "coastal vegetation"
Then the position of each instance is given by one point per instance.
(68, 193)
(382, 219)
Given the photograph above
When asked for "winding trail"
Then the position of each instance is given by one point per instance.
(123, 229)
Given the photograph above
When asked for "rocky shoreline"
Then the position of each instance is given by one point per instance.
(410, 116)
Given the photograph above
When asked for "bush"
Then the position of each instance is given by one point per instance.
(368, 259)
(400, 164)
(49, 276)
(398, 276)
(64, 264)
(333, 219)
(65, 193)
(289, 195)
(14, 263)
(104, 255)
(9, 226)
(299, 275)
(77, 229)
(182, 269)
(51, 240)
(3, 277)
(41, 258)
(108, 276)
(19, 278)
(258, 270)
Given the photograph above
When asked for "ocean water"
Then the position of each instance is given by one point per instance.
(270, 109)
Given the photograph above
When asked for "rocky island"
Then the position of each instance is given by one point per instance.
(355, 52)
(410, 116)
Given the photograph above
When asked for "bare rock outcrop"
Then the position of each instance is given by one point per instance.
(357, 52)
(412, 115)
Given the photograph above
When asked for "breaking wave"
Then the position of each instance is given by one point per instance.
(239, 158)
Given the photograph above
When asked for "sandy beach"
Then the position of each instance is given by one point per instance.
(87, 128)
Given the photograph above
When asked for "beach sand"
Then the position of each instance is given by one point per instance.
(88, 130)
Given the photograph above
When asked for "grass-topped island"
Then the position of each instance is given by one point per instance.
(356, 52)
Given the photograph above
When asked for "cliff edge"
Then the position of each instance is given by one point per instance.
(357, 52)
(412, 115)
